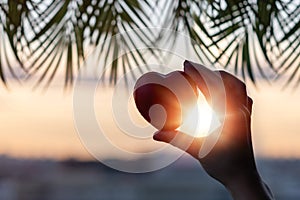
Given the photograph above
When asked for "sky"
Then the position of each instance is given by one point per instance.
(41, 125)
(35, 124)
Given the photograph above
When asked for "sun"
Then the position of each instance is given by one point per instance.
(201, 120)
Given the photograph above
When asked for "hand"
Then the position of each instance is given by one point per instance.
(231, 160)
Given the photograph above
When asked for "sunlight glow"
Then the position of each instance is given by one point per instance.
(201, 120)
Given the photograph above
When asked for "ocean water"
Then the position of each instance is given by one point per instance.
(74, 180)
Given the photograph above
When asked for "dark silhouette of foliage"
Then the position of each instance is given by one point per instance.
(252, 37)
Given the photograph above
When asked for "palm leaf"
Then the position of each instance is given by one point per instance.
(237, 34)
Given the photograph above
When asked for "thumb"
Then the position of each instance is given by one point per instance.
(178, 139)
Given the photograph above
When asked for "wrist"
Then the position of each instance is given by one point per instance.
(248, 187)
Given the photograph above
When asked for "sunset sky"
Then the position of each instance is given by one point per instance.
(37, 124)
(41, 125)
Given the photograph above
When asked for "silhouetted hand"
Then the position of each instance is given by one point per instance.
(231, 160)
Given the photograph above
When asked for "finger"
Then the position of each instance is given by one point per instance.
(245, 135)
(188, 65)
(200, 75)
(180, 140)
(209, 82)
(249, 105)
(238, 132)
(236, 89)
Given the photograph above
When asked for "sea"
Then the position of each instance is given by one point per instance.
(44, 179)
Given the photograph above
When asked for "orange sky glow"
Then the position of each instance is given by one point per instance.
(35, 125)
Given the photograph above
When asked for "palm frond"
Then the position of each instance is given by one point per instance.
(82, 24)
(289, 58)
(232, 27)
(256, 39)
(11, 37)
(117, 33)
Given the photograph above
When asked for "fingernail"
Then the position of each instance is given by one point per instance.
(156, 136)
(186, 62)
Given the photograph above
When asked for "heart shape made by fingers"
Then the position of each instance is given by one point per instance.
(164, 100)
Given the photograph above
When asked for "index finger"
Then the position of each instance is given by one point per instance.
(209, 82)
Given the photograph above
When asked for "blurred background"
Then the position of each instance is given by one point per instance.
(46, 45)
